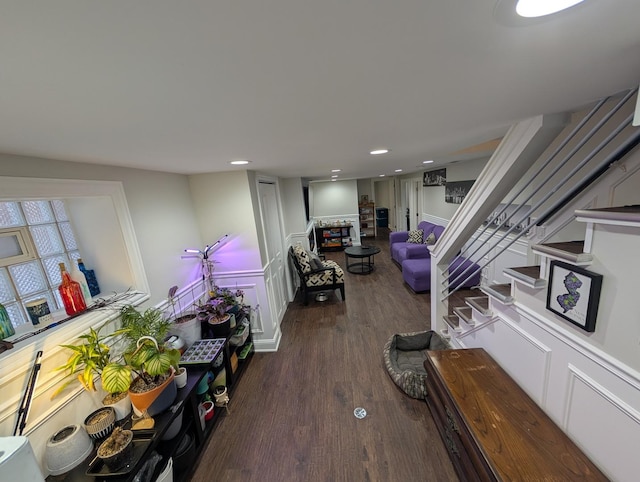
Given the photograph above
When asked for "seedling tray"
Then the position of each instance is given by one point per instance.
(202, 352)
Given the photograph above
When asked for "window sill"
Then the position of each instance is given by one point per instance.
(16, 364)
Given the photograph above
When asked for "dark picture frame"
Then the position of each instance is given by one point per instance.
(574, 294)
(455, 192)
(437, 177)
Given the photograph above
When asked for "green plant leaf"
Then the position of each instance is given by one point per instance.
(116, 378)
(158, 364)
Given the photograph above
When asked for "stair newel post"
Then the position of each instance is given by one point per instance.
(439, 303)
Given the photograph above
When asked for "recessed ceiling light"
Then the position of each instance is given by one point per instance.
(336, 170)
(381, 175)
(379, 151)
(427, 162)
(540, 8)
(333, 180)
(240, 163)
(398, 170)
(335, 175)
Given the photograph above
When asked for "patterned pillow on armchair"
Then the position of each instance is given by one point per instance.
(303, 258)
(415, 236)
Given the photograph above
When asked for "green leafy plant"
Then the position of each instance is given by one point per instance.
(221, 300)
(88, 359)
(150, 361)
(151, 322)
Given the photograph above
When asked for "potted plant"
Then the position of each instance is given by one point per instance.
(86, 363)
(185, 325)
(146, 370)
(116, 450)
(150, 322)
(219, 309)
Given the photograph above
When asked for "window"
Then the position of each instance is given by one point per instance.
(35, 236)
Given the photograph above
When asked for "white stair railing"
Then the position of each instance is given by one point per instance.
(613, 137)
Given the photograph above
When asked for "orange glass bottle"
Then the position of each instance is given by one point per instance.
(71, 293)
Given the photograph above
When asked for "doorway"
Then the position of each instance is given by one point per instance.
(274, 247)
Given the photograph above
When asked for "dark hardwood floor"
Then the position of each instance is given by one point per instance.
(292, 414)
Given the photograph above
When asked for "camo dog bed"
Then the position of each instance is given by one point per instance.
(404, 356)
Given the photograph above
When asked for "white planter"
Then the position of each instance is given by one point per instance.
(181, 377)
(122, 407)
(189, 331)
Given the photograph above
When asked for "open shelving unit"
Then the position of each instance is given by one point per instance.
(334, 237)
(367, 214)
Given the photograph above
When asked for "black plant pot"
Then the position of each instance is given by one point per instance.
(220, 329)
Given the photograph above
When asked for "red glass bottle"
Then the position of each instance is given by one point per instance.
(71, 293)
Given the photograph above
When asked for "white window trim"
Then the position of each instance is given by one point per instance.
(15, 364)
(26, 245)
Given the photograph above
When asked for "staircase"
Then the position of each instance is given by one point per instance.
(588, 382)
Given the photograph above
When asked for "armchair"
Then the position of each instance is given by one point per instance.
(327, 275)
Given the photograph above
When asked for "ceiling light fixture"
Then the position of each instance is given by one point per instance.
(427, 162)
(398, 170)
(540, 8)
(378, 152)
(335, 175)
(381, 175)
(336, 170)
(240, 163)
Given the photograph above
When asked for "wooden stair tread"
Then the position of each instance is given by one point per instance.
(453, 322)
(501, 292)
(465, 313)
(624, 215)
(572, 251)
(480, 303)
(529, 275)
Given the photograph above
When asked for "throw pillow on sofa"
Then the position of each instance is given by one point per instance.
(415, 236)
(430, 240)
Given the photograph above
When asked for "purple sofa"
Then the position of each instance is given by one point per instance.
(415, 260)
(401, 249)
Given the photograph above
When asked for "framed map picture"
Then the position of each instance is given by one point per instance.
(574, 294)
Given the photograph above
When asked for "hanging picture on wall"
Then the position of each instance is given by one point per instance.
(437, 177)
(574, 294)
(455, 192)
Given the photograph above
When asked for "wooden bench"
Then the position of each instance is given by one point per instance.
(492, 429)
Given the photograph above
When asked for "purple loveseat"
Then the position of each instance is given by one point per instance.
(402, 249)
(415, 260)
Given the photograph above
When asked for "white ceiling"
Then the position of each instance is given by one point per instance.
(297, 87)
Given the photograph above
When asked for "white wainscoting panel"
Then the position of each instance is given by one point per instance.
(523, 357)
(605, 427)
(593, 397)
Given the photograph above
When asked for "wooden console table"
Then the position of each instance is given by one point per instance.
(492, 429)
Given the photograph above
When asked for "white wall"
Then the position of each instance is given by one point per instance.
(161, 212)
(433, 196)
(295, 220)
(333, 199)
(222, 205)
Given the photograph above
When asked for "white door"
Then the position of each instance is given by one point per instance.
(274, 247)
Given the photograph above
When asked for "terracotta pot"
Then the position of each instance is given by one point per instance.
(156, 400)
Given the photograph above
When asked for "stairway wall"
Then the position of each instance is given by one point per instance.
(589, 383)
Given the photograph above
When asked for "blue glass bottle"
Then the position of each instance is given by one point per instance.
(92, 281)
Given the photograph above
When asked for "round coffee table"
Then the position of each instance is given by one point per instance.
(365, 256)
